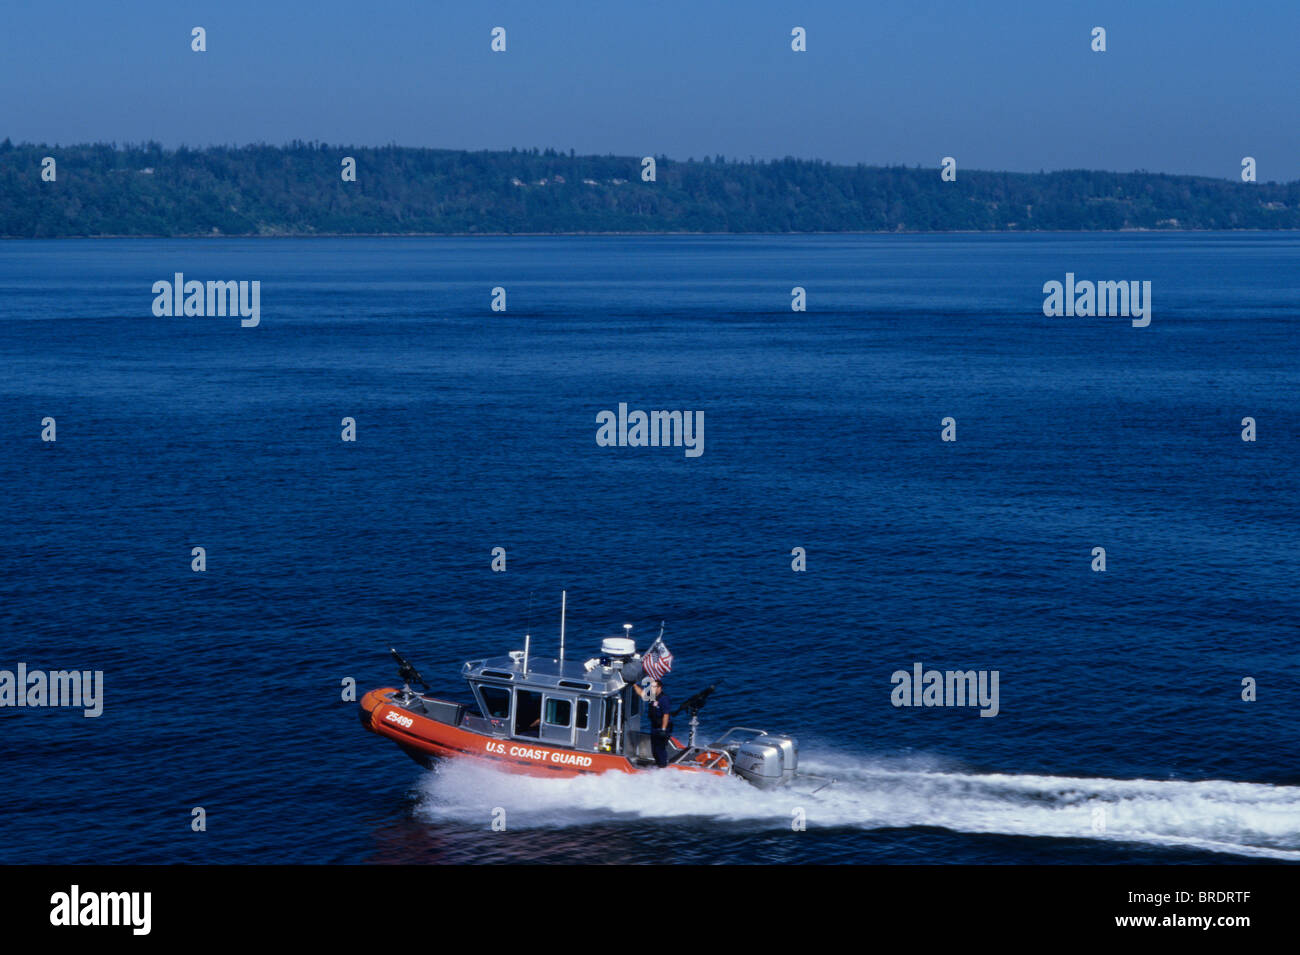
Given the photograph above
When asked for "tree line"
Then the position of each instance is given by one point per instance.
(104, 189)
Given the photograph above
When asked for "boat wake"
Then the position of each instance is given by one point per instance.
(1245, 819)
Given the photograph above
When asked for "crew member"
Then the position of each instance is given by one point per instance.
(661, 719)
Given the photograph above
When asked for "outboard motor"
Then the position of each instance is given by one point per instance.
(768, 761)
(789, 754)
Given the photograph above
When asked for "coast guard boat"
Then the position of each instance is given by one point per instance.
(552, 717)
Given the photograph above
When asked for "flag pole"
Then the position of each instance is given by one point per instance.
(564, 599)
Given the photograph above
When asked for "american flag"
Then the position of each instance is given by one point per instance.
(657, 660)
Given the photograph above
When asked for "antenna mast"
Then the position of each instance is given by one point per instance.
(527, 633)
(564, 599)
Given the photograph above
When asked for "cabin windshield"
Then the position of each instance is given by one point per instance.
(496, 702)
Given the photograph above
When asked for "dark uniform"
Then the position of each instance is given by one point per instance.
(659, 708)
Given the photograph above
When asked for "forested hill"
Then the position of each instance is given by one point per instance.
(298, 190)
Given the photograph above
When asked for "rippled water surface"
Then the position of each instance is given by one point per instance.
(1119, 690)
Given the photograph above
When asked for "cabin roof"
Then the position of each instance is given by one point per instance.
(544, 672)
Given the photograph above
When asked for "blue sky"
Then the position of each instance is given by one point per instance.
(1184, 87)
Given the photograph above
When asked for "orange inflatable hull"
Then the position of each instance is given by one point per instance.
(429, 739)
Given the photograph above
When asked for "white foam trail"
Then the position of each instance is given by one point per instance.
(1249, 819)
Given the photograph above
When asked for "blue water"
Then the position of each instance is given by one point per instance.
(1119, 690)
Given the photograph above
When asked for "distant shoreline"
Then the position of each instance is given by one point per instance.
(317, 191)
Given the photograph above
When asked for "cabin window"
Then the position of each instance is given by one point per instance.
(528, 714)
(583, 706)
(558, 712)
(497, 701)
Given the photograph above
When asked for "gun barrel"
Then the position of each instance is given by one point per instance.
(696, 701)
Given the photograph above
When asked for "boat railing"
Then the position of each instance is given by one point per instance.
(720, 748)
(723, 741)
(715, 757)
